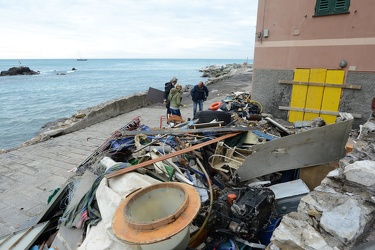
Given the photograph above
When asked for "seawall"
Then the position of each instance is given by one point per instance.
(93, 115)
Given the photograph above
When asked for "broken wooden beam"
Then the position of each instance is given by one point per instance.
(207, 125)
(170, 155)
(182, 131)
(343, 86)
(323, 112)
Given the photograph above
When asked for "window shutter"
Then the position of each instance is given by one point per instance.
(341, 6)
(323, 7)
(331, 7)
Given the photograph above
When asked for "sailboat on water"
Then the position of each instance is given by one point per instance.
(80, 58)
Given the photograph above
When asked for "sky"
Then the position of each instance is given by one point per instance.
(59, 29)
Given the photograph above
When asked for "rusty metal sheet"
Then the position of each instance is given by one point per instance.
(313, 147)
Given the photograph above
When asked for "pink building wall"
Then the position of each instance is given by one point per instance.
(297, 39)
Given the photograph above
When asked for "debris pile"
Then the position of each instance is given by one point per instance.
(184, 155)
(242, 105)
(227, 180)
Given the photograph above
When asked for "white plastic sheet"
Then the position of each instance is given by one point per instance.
(109, 195)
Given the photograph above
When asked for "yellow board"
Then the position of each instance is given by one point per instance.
(315, 93)
(331, 96)
(316, 98)
(299, 92)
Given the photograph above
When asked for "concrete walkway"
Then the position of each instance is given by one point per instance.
(29, 175)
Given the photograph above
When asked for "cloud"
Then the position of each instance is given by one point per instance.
(127, 29)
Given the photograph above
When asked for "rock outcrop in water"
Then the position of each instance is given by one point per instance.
(21, 70)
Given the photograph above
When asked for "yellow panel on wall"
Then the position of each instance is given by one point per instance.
(315, 93)
(298, 98)
(331, 96)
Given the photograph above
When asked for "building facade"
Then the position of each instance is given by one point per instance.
(315, 58)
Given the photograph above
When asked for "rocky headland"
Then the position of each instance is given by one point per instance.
(216, 73)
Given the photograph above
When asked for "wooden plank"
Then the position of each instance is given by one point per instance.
(299, 93)
(182, 131)
(314, 93)
(167, 156)
(342, 86)
(313, 176)
(207, 125)
(332, 96)
(317, 111)
(24, 238)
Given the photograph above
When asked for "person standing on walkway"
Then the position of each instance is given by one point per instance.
(175, 100)
(168, 86)
(199, 94)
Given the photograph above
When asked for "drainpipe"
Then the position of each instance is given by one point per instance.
(260, 34)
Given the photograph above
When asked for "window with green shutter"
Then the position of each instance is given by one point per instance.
(331, 7)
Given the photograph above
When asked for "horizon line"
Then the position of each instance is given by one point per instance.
(88, 58)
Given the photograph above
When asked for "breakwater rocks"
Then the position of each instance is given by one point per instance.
(216, 73)
(19, 71)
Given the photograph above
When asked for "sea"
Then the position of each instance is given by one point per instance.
(28, 102)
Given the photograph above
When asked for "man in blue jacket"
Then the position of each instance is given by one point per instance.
(198, 94)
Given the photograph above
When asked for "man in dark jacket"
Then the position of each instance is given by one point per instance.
(168, 86)
(198, 94)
